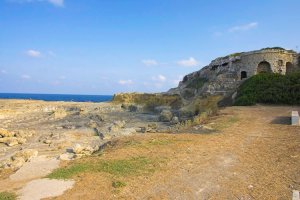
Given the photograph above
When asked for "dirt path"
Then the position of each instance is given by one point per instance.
(253, 154)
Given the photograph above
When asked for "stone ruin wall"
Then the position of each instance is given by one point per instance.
(224, 75)
(277, 59)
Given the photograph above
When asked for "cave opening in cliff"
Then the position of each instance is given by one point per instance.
(243, 75)
(264, 67)
(289, 68)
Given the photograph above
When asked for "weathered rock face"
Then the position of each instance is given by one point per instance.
(223, 75)
(148, 102)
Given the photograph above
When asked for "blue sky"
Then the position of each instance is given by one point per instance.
(109, 46)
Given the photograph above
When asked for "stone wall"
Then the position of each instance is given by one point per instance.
(224, 75)
(277, 59)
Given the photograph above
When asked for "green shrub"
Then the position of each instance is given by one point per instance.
(270, 89)
(7, 196)
(118, 184)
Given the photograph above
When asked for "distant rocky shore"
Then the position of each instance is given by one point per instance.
(70, 130)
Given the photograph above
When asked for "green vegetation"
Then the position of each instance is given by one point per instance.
(7, 196)
(279, 48)
(196, 83)
(270, 88)
(200, 110)
(149, 101)
(270, 48)
(200, 105)
(235, 54)
(123, 167)
(118, 184)
(153, 142)
(231, 55)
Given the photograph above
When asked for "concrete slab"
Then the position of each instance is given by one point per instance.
(44, 188)
(295, 118)
(296, 195)
(38, 167)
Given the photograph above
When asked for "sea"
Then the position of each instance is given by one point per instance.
(58, 97)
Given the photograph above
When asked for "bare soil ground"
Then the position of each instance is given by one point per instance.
(252, 153)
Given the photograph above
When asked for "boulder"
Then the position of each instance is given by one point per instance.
(47, 141)
(128, 131)
(133, 108)
(6, 133)
(59, 114)
(84, 151)
(12, 141)
(17, 163)
(26, 154)
(175, 120)
(159, 109)
(166, 116)
(117, 125)
(24, 134)
(66, 156)
(150, 128)
(18, 160)
(77, 149)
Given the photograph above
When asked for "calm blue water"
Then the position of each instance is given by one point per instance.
(58, 97)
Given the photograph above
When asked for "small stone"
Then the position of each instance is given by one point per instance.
(175, 120)
(117, 125)
(59, 114)
(21, 140)
(6, 133)
(166, 116)
(67, 156)
(12, 143)
(250, 187)
(17, 163)
(47, 141)
(77, 149)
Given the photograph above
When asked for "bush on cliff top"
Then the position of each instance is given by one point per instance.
(270, 89)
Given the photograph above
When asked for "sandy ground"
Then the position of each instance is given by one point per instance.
(253, 154)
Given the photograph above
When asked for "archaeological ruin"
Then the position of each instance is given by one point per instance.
(223, 75)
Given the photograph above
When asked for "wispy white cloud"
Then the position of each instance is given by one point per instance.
(3, 71)
(58, 3)
(244, 27)
(125, 82)
(159, 78)
(25, 76)
(33, 53)
(150, 62)
(191, 62)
